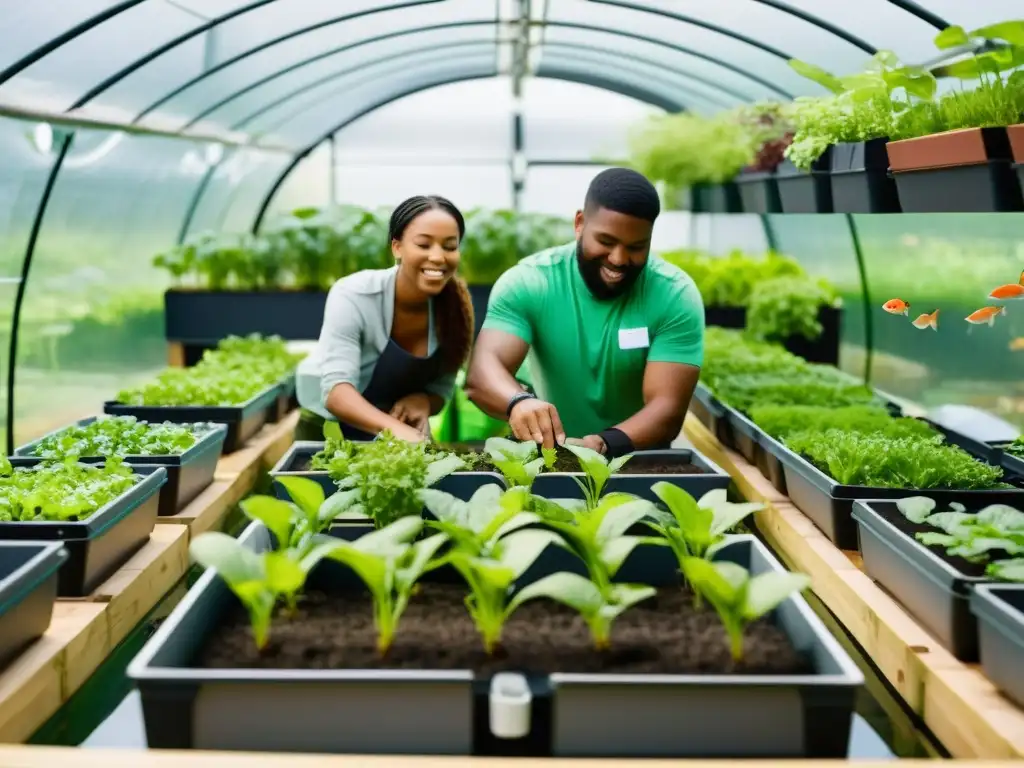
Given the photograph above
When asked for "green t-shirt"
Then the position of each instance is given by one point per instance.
(587, 357)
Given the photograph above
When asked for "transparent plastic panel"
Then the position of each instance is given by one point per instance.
(211, 9)
(92, 321)
(58, 80)
(436, 44)
(353, 97)
(603, 16)
(974, 15)
(262, 171)
(359, 35)
(567, 121)
(27, 27)
(468, 186)
(710, 73)
(309, 184)
(218, 205)
(461, 123)
(948, 263)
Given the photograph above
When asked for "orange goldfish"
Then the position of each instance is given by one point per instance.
(1017, 344)
(985, 315)
(1009, 291)
(897, 307)
(927, 321)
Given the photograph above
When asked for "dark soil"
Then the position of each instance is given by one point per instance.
(662, 635)
(303, 464)
(894, 516)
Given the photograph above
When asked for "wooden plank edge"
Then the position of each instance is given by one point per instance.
(959, 705)
(261, 452)
(209, 509)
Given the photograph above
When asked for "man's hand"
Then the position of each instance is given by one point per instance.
(593, 442)
(414, 410)
(409, 434)
(537, 420)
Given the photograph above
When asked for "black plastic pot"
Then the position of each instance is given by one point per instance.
(447, 712)
(716, 198)
(203, 318)
(188, 474)
(806, 191)
(100, 545)
(759, 192)
(28, 589)
(479, 295)
(243, 421)
(829, 504)
(860, 179)
(935, 593)
(999, 609)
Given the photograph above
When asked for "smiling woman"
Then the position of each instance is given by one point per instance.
(393, 339)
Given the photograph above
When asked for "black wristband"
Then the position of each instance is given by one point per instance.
(517, 398)
(617, 442)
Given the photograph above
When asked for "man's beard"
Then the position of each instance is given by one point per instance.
(590, 271)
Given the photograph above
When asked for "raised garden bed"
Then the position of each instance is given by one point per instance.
(667, 687)
(860, 178)
(28, 590)
(968, 170)
(203, 318)
(188, 473)
(748, 442)
(1000, 612)
(101, 543)
(759, 192)
(242, 421)
(806, 191)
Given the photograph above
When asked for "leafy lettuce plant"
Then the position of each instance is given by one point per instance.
(780, 421)
(738, 598)
(972, 536)
(788, 306)
(120, 436)
(63, 491)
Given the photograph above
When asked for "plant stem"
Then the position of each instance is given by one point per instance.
(736, 643)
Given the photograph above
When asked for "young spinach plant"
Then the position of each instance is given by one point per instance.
(479, 524)
(518, 463)
(597, 471)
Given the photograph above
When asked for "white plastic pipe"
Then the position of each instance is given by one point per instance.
(511, 700)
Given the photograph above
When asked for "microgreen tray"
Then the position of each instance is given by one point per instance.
(100, 544)
(243, 420)
(28, 589)
(188, 473)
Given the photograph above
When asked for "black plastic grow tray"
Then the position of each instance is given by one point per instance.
(829, 504)
(285, 401)
(28, 589)
(806, 191)
(749, 443)
(710, 412)
(935, 592)
(1008, 461)
(101, 544)
(203, 318)
(188, 474)
(1000, 612)
(860, 179)
(986, 188)
(759, 192)
(358, 711)
(716, 198)
(243, 421)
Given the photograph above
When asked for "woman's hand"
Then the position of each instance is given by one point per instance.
(414, 410)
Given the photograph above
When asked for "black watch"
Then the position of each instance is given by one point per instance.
(515, 400)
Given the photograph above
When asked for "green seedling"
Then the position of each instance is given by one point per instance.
(597, 471)
(972, 536)
(1006, 570)
(738, 598)
(477, 525)
(295, 523)
(518, 462)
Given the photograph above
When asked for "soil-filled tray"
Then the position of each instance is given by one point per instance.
(666, 688)
(1000, 612)
(188, 474)
(933, 586)
(100, 544)
(806, 191)
(28, 589)
(243, 421)
(860, 179)
(829, 504)
(759, 192)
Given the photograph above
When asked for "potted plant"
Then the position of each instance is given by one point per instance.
(1000, 612)
(188, 452)
(28, 590)
(930, 559)
(440, 662)
(770, 133)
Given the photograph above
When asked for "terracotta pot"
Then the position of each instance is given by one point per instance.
(1016, 134)
(969, 146)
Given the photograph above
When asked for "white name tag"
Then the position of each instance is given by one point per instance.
(633, 338)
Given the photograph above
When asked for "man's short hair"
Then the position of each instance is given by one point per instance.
(623, 190)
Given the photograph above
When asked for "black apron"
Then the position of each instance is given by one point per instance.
(398, 373)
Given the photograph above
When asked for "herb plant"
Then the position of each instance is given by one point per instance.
(787, 307)
(64, 491)
(780, 421)
(971, 536)
(119, 436)
(730, 280)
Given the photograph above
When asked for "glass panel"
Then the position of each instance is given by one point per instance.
(58, 80)
(468, 186)
(742, 55)
(92, 320)
(434, 44)
(27, 26)
(360, 35)
(308, 185)
(299, 126)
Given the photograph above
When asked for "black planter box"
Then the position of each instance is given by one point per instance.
(100, 545)
(243, 421)
(435, 712)
(1010, 462)
(759, 192)
(824, 349)
(285, 402)
(28, 590)
(829, 504)
(999, 609)
(860, 179)
(806, 191)
(479, 295)
(188, 474)
(987, 188)
(749, 443)
(561, 485)
(716, 198)
(711, 413)
(932, 590)
(203, 318)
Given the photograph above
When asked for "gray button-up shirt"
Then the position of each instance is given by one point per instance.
(357, 327)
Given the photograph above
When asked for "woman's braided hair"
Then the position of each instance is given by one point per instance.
(453, 308)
